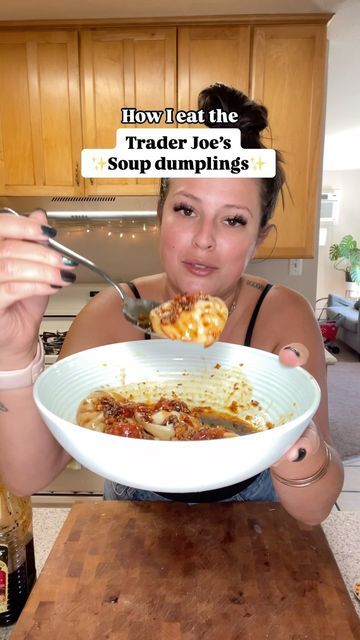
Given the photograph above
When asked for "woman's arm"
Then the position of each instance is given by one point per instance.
(30, 456)
(312, 503)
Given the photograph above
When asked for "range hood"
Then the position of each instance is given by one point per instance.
(82, 208)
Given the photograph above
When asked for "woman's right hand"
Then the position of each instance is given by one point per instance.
(30, 271)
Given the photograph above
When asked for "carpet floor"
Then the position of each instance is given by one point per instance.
(344, 407)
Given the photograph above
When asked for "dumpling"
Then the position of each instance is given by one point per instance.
(191, 317)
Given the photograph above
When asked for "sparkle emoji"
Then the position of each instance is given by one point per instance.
(99, 164)
(257, 164)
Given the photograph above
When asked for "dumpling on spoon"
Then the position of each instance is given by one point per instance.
(191, 317)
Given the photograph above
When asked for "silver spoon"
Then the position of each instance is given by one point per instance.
(135, 310)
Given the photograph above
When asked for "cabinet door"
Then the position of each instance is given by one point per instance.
(124, 68)
(211, 54)
(40, 125)
(288, 71)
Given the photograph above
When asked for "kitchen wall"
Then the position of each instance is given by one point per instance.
(125, 250)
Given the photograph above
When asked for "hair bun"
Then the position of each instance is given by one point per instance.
(252, 117)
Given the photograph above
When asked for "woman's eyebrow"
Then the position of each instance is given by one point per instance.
(187, 195)
(238, 207)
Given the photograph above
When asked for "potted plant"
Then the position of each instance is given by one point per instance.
(346, 256)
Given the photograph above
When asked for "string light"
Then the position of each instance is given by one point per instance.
(127, 229)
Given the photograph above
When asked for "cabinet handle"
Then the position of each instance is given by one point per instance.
(91, 181)
(77, 176)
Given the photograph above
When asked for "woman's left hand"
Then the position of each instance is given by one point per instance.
(293, 355)
(307, 445)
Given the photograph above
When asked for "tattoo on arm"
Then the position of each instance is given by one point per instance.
(3, 408)
(256, 285)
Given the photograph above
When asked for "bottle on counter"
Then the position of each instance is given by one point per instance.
(26, 510)
(17, 565)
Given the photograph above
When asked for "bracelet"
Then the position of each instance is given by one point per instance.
(305, 482)
(19, 378)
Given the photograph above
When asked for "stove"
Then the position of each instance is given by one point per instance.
(52, 341)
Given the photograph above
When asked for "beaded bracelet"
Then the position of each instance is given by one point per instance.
(305, 482)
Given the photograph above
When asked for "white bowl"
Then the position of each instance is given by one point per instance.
(289, 398)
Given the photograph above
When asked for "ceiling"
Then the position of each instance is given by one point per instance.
(68, 9)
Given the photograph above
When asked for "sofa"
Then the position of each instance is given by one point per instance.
(347, 318)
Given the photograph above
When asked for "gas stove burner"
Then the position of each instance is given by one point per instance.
(53, 341)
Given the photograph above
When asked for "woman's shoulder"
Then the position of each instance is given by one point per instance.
(289, 297)
(150, 287)
(276, 293)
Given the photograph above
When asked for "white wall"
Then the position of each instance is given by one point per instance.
(342, 139)
(348, 181)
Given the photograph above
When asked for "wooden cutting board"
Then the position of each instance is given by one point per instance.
(167, 571)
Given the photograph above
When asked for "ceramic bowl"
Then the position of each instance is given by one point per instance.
(236, 380)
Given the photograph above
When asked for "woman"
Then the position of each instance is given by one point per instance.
(210, 230)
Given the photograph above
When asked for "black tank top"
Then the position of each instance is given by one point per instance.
(215, 495)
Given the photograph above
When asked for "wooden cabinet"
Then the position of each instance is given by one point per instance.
(211, 54)
(40, 126)
(288, 75)
(124, 68)
(46, 75)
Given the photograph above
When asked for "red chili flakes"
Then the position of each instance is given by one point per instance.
(127, 429)
(181, 302)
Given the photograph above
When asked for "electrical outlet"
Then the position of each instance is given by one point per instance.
(295, 267)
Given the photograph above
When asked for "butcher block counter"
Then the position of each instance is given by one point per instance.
(167, 571)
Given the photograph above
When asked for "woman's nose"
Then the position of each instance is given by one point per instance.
(204, 237)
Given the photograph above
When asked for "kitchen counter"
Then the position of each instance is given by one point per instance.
(341, 529)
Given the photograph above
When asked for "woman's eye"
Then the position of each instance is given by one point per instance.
(185, 209)
(236, 221)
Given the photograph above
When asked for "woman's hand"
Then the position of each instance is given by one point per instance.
(30, 271)
(306, 446)
(296, 354)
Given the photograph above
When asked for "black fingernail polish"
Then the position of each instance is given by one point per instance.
(49, 232)
(297, 353)
(301, 455)
(56, 286)
(69, 262)
(68, 276)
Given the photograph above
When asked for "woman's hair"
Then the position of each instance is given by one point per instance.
(252, 119)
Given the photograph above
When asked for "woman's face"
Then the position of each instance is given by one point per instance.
(209, 232)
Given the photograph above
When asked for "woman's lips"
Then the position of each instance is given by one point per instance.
(199, 269)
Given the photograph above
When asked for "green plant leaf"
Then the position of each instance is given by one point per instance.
(355, 274)
(347, 254)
